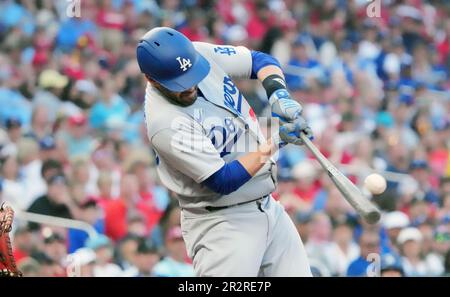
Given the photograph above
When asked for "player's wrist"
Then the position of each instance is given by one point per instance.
(273, 83)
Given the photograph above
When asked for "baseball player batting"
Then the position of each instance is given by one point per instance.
(196, 117)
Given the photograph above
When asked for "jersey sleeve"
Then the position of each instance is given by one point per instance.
(186, 148)
(236, 61)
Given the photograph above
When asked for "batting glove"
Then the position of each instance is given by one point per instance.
(289, 112)
(290, 132)
(284, 107)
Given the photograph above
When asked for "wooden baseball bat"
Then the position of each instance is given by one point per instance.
(351, 193)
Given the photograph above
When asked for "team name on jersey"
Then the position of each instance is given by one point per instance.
(230, 91)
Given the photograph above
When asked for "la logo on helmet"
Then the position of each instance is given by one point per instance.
(185, 63)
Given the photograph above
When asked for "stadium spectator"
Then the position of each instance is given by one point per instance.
(56, 202)
(391, 266)
(54, 247)
(103, 249)
(369, 243)
(413, 261)
(174, 263)
(76, 138)
(146, 258)
(89, 213)
(125, 253)
(23, 243)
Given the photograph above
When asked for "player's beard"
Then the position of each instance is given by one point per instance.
(184, 99)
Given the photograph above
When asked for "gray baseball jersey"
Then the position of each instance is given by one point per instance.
(192, 143)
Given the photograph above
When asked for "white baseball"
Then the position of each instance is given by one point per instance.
(375, 183)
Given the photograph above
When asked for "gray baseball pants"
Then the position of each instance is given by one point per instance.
(253, 239)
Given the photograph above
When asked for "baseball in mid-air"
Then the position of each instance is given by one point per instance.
(375, 183)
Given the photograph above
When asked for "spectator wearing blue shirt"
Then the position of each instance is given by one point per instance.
(90, 214)
(174, 264)
(16, 15)
(111, 109)
(77, 139)
(71, 30)
(369, 243)
(391, 266)
(301, 70)
(14, 105)
(103, 248)
(420, 171)
(146, 256)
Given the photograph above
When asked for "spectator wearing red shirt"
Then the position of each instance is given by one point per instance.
(129, 205)
(195, 29)
(112, 23)
(260, 21)
(118, 211)
(104, 185)
(147, 202)
(22, 243)
(306, 188)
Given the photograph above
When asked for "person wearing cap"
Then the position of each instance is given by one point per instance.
(103, 248)
(54, 246)
(393, 222)
(302, 221)
(391, 266)
(414, 262)
(51, 85)
(48, 149)
(13, 126)
(76, 137)
(174, 263)
(301, 60)
(81, 263)
(420, 171)
(86, 94)
(146, 257)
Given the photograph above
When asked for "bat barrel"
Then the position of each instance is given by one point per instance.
(349, 191)
(372, 217)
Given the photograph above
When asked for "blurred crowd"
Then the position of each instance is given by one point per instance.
(375, 90)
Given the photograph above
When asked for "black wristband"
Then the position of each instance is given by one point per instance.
(272, 83)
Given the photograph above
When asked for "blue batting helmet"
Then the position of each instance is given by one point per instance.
(169, 57)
